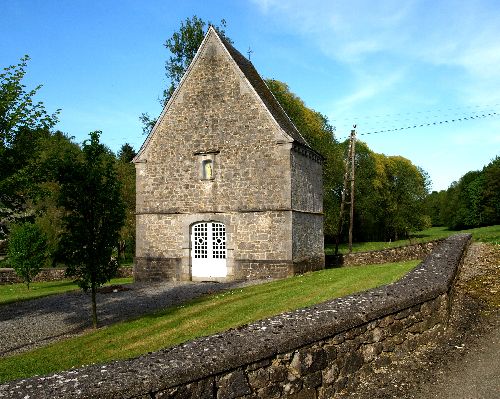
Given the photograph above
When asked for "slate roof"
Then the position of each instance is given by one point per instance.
(263, 92)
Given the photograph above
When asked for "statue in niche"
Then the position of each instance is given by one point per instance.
(207, 169)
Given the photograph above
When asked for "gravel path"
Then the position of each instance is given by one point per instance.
(30, 324)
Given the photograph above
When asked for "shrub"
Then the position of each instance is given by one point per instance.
(27, 251)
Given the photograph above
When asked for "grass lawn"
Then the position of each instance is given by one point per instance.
(203, 316)
(486, 234)
(18, 292)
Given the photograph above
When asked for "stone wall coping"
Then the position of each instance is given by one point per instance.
(251, 343)
(394, 254)
(399, 247)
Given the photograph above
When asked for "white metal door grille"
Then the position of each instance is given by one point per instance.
(200, 240)
(208, 250)
(219, 241)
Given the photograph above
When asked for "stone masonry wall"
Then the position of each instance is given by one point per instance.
(307, 217)
(256, 242)
(217, 115)
(307, 182)
(215, 112)
(389, 255)
(308, 242)
(315, 352)
(9, 276)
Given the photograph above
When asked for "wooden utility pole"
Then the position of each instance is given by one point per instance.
(348, 176)
(353, 156)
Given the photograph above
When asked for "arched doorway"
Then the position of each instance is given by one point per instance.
(208, 250)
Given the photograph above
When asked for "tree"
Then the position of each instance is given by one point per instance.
(473, 201)
(126, 153)
(318, 132)
(408, 188)
(182, 46)
(368, 216)
(491, 193)
(90, 194)
(16, 183)
(23, 123)
(43, 172)
(433, 204)
(126, 175)
(26, 251)
(17, 108)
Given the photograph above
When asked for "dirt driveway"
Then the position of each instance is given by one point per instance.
(465, 363)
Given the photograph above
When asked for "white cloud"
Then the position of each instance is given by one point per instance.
(463, 34)
(367, 88)
(344, 30)
(453, 45)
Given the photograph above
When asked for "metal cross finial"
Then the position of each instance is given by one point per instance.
(250, 51)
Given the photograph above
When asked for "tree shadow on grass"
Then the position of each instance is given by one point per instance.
(44, 319)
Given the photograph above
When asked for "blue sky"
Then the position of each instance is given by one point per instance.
(378, 64)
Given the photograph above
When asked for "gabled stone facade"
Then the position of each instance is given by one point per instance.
(227, 188)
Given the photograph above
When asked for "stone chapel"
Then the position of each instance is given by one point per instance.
(227, 188)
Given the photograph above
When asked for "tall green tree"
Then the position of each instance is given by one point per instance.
(182, 46)
(474, 200)
(126, 153)
(90, 194)
(17, 106)
(43, 172)
(368, 221)
(23, 124)
(126, 175)
(491, 193)
(405, 191)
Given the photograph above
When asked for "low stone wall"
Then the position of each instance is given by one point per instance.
(397, 254)
(9, 276)
(314, 352)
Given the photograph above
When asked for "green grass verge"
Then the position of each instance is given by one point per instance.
(485, 234)
(18, 292)
(203, 316)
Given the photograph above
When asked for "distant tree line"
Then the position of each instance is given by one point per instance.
(473, 201)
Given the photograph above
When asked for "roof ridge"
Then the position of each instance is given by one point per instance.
(258, 84)
(262, 89)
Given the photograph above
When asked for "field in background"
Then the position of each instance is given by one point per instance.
(486, 234)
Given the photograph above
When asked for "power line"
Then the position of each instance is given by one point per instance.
(426, 124)
(457, 110)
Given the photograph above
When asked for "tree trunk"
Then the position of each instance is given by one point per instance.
(121, 249)
(94, 307)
